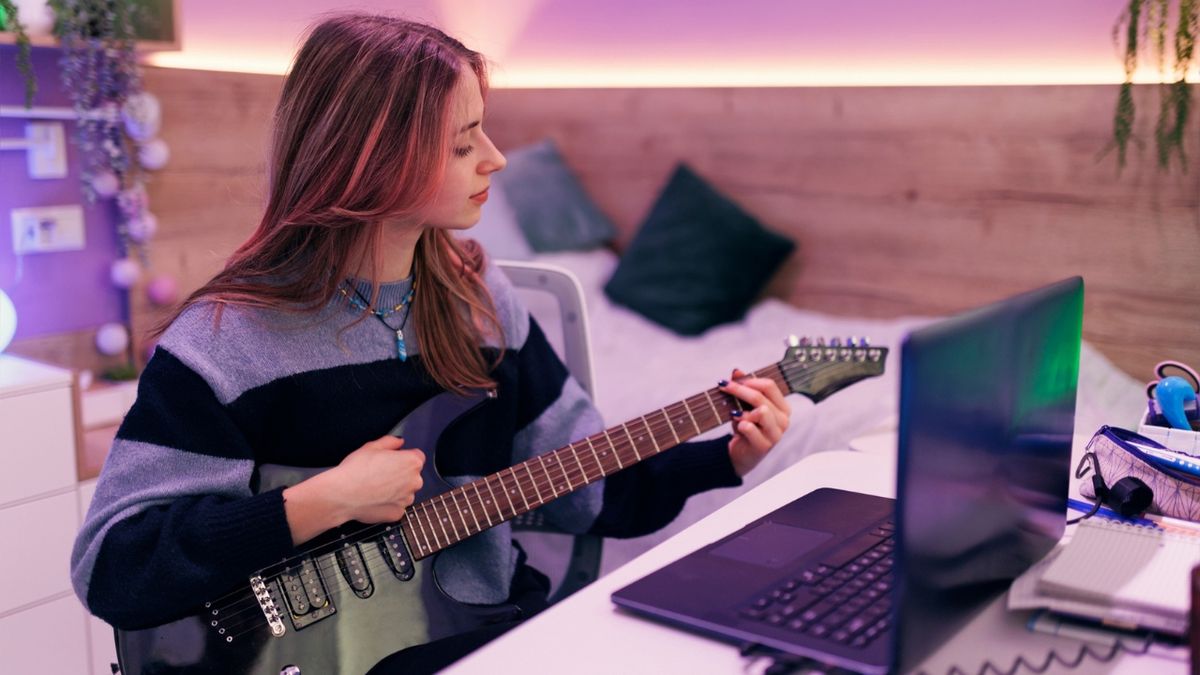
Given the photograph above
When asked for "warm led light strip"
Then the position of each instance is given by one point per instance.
(703, 75)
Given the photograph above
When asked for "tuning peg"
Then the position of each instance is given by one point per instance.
(835, 342)
(805, 341)
(820, 342)
(865, 342)
(792, 341)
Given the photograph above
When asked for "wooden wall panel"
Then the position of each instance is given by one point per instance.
(903, 200)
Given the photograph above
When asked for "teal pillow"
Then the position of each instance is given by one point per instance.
(697, 261)
(551, 207)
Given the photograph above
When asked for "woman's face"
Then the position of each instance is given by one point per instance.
(473, 159)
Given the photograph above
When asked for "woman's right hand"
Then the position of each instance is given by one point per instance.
(378, 481)
(373, 484)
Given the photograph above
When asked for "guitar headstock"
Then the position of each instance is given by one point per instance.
(817, 369)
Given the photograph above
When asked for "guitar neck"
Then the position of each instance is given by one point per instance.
(462, 512)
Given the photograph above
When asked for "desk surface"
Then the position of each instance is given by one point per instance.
(586, 633)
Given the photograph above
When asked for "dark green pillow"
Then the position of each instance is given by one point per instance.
(697, 261)
(551, 207)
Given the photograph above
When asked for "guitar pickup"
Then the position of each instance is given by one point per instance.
(305, 594)
(354, 570)
(395, 552)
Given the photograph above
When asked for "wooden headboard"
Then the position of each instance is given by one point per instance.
(902, 200)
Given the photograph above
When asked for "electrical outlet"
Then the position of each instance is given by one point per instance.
(46, 156)
(47, 228)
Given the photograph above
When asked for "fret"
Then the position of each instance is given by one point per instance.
(563, 469)
(534, 482)
(487, 483)
(542, 461)
(456, 507)
(716, 415)
(575, 454)
(651, 433)
(432, 522)
(467, 498)
(482, 503)
(687, 406)
(616, 454)
(418, 528)
(599, 464)
(441, 521)
(632, 442)
(504, 491)
(512, 470)
(670, 425)
(410, 536)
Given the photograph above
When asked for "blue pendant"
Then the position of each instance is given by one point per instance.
(401, 350)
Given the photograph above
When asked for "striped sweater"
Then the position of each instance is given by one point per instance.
(177, 517)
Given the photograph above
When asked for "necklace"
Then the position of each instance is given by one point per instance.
(360, 303)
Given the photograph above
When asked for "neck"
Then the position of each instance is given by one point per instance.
(395, 260)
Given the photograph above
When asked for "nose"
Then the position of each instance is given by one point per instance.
(493, 160)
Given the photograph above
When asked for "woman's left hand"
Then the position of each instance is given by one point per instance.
(755, 431)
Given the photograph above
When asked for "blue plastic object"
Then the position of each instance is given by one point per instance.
(1171, 393)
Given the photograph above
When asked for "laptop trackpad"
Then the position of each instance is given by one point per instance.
(771, 544)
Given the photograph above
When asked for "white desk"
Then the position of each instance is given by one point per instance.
(587, 634)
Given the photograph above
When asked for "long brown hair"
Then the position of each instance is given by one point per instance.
(361, 135)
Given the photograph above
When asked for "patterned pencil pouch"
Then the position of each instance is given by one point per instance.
(1176, 492)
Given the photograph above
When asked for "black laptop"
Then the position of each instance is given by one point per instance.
(987, 404)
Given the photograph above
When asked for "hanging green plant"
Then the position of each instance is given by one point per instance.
(1148, 21)
(10, 21)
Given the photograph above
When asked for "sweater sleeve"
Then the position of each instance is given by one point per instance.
(554, 411)
(174, 521)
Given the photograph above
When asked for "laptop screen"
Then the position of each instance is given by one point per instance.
(987, 405)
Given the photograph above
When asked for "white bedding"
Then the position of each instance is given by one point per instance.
(640, 367)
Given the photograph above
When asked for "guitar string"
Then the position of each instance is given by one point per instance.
(618, 447)
(472, 502)
(341, 586)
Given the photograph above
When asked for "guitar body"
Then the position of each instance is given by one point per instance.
(333, 627)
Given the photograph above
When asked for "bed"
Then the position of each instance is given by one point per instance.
(640, 366)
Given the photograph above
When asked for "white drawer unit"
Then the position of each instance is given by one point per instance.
(49, 638)
(42, 531)
(43, 628)
(37, 429)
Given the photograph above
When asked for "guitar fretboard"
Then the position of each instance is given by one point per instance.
(465, 511)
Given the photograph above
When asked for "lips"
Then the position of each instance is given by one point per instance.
(481, 196)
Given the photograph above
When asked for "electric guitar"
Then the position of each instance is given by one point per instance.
(362, 592)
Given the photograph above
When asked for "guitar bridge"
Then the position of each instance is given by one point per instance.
(267, 604)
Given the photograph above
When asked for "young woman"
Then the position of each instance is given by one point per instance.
(349, 306)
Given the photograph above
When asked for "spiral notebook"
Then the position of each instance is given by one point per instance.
(1126, 566)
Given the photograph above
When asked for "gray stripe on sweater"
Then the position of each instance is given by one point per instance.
(164, 474)
(252, 346)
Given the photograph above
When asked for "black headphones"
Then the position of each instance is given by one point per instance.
(1130, 497)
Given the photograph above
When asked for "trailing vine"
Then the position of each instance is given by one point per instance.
(12, 22)
(1147, 22)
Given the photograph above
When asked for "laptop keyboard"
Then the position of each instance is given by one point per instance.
(846, 597)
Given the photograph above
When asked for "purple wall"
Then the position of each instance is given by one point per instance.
(63, 291)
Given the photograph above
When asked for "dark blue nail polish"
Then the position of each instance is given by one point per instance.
(722, 383)
(737, 413)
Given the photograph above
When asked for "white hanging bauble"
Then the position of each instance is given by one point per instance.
(36, 17)
(142, 115)
(112, 339)
(153, 154)
(125, 273)
(105, 183)
(142, 228)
